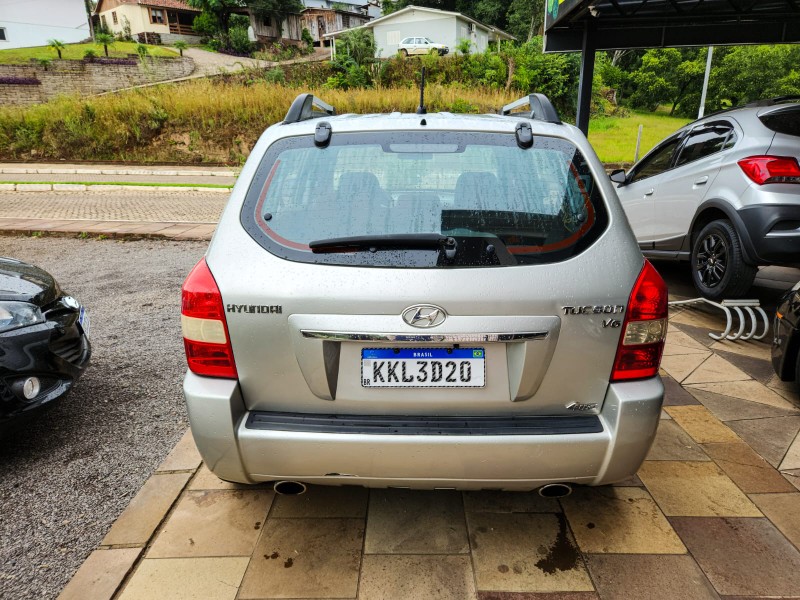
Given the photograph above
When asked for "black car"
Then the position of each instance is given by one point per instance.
(786, 345)
(43, 343)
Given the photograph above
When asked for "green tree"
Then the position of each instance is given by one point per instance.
(180, 45)
(747, 73)
(358, 45)
(221, 9)
(525, 19)
(105, 40)
(56, 45)
(668, 76)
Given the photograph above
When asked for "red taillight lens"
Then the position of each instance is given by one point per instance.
(771, 169)
(205, 332)
(644, 329)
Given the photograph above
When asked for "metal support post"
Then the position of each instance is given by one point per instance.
(585, 85)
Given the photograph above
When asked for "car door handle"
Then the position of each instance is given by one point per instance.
(702, 180)
(649, 192)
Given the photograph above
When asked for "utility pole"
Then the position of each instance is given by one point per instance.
(702, 110)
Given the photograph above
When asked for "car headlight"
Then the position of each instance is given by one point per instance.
(796, 286)
(18, 314)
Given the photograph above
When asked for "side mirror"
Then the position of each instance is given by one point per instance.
(618, 176)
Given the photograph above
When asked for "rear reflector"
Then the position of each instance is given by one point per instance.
(644, 329)
(205, 332)
(771, 169)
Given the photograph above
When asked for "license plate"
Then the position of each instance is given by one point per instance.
(423, 367)
(83, 320)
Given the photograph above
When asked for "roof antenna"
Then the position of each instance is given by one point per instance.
(422, 109)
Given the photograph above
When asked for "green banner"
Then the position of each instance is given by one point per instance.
(555, 9)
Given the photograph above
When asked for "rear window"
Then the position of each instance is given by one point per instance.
(786, 121)
(499, 204)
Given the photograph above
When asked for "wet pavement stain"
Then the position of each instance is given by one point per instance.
(590, 526)
(272, 556)
(562, 555)
(257, 525)
(289, 562)
(502, 568)
(191, 542)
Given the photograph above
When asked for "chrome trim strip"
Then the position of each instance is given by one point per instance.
(454, 338)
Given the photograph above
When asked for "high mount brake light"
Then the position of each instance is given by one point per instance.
(771, 169)
(205, 332)
(643, 330)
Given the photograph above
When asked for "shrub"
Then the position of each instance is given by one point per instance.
(308, 40)
(464, 46)
(181, 46)
(89, 54)
(44, 62)
(206, 24)
(357, 44)
(275, 75)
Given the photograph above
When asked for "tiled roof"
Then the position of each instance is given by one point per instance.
(174, 4)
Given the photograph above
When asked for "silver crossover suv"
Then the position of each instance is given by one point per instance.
(424, 301)
(722, 192)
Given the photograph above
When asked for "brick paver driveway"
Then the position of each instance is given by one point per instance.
(714, 511)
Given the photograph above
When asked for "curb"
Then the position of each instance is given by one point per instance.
(152, 172)
(119, 236)
(107, 187)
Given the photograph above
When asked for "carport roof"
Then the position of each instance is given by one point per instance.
(616, 24)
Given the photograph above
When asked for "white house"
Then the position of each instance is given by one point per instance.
(441, 26)
(33, 22)
(149, 21)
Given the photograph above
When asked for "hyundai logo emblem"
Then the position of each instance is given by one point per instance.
(424, 315)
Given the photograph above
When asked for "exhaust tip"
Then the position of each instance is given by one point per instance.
(289, 488)
(555, 490)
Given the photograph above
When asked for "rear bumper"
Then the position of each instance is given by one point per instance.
(774, 233)
(236, 452)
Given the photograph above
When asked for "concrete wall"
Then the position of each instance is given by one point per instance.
(31, 23)
(68, 77)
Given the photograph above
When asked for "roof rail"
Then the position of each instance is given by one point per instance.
(302, 109)
(541, 108)
(774, 101)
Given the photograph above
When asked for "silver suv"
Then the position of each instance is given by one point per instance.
(723, 193)
(426, 301)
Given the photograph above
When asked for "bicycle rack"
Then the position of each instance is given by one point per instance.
(749, 306)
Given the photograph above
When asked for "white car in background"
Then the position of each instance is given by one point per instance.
(421, 45)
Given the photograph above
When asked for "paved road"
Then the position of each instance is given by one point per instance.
(68, 474)
(126, 205)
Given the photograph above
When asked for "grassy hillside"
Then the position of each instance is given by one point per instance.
(219, 120)
(75, 52)
(614, 138)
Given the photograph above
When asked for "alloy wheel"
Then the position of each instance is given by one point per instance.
(712, 260)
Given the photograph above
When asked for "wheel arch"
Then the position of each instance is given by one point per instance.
(712, 210)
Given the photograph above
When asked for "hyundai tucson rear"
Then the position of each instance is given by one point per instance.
(423, 301)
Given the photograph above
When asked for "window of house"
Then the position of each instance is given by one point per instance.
(266, 21)
(156, 15)
(114, 16)
(3, 34)
(103, 21)
(345, 21)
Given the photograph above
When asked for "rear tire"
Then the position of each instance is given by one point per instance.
(404, 53)
(718, 267)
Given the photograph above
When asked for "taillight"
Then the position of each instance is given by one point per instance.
(205, 332)
(644, 328)
(771, 169)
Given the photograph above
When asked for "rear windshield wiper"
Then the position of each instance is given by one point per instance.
(408, 241)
